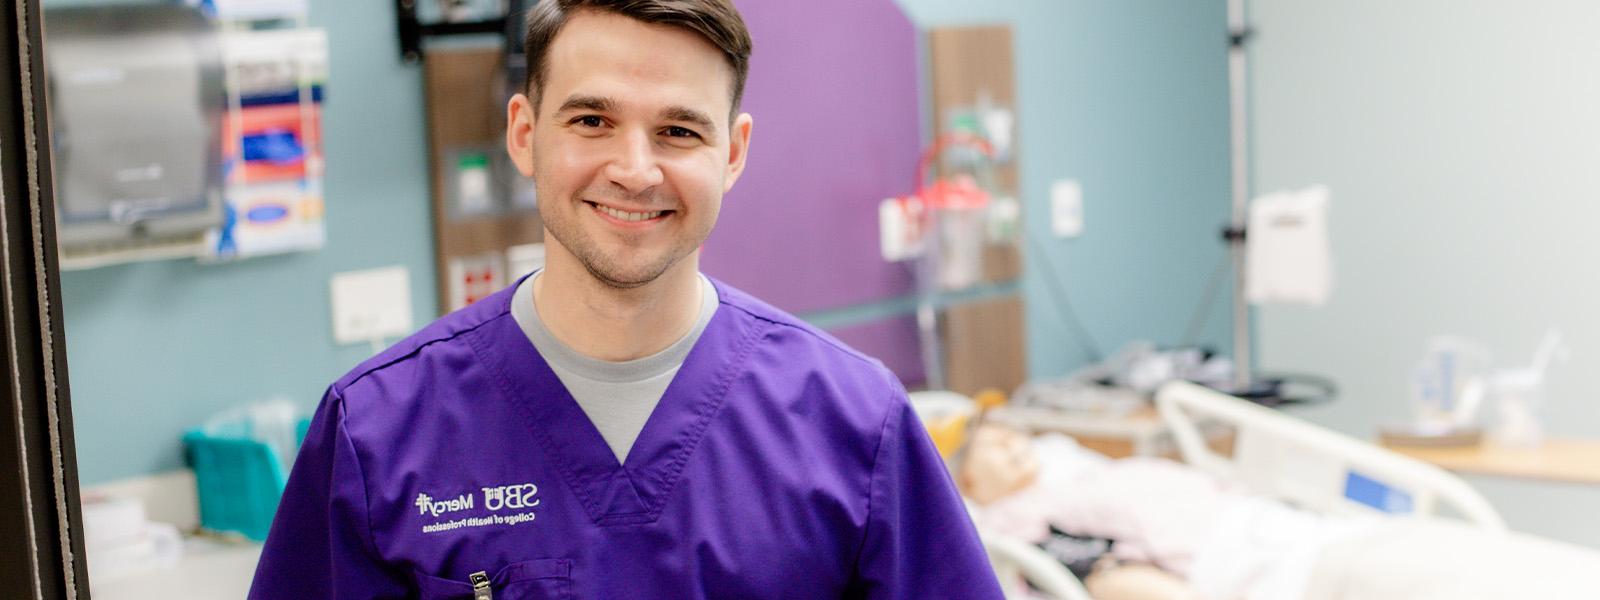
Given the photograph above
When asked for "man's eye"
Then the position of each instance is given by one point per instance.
(588, 121)
(680, 132)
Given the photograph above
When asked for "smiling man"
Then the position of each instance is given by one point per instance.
(618, 425)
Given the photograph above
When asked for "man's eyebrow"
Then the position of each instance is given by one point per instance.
(689, 115)
(582, 102)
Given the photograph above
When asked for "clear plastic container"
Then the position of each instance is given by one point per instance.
(1519, 397)
(1440, 398)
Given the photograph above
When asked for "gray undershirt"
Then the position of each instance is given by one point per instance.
(618, 397)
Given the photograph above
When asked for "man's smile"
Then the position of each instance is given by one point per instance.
(629, 218)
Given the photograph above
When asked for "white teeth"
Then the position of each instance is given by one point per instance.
(628, 216)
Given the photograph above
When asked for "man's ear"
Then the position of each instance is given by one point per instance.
(738, 148)
(520, 118)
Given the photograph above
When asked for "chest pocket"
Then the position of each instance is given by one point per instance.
(541, 579)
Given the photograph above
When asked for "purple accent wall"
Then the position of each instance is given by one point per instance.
(833, 89)
(893, 341)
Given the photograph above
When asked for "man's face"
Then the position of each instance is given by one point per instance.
(631, 147)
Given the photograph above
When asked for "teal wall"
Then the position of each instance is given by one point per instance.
(156, 347)
(1131, 99)
(1128, 98)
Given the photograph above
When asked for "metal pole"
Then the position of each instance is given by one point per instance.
(928, 287)
(1239, 132)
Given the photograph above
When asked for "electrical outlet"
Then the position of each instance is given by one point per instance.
(1066, 208)
(475, 277)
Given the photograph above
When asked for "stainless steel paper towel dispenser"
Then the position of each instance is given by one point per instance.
(137, 96)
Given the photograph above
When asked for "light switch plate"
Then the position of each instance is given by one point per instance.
(1066, 208)
(369, 305)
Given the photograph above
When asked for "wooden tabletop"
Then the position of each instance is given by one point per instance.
(1558, 459)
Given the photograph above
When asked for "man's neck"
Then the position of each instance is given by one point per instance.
(607, 323)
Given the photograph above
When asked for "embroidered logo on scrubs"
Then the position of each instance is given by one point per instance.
(510, 496)
(426, 504)
(495, 499)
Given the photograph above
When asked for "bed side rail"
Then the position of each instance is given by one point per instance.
(1012, 557)
(1311, 466)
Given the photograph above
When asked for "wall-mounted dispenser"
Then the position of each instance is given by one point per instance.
(137, 95)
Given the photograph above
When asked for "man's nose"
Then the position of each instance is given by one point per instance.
(634, 167)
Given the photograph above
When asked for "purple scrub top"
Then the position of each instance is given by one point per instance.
(779, 464)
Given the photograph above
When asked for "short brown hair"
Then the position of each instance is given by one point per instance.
(715, 20)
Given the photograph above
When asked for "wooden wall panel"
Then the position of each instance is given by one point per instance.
(985, 346)
(464, 111)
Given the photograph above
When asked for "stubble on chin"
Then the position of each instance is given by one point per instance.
(604, 268)
(610, 278)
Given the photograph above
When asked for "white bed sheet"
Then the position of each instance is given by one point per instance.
(1429, 559)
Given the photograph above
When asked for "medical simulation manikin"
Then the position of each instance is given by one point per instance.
(1223, 543)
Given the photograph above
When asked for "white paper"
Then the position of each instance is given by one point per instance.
(1288, 259)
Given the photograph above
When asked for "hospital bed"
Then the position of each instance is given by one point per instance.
(1276, 456)
(1015, 560)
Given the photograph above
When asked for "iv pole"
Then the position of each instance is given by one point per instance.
(1246, 384)
(1238, 34)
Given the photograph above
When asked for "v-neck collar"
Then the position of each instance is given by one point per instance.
(634, 491)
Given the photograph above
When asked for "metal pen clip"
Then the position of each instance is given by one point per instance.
(480, 586)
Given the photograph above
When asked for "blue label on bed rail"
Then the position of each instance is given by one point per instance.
(1374, 493)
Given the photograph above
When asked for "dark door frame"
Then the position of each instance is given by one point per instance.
(41, 522)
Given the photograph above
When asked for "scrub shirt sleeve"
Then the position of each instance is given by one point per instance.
(320, 544)
(920, 541)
